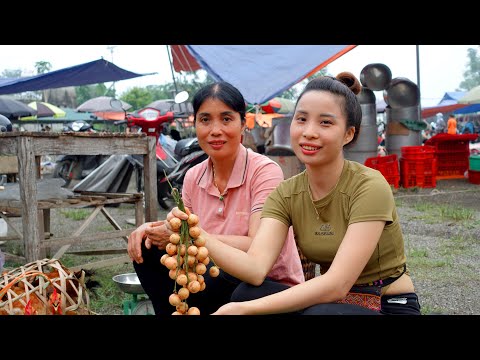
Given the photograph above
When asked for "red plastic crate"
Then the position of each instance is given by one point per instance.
(418, 152)
(388, 166)
(447, 142)
(452, 152)
(474, 177)
(418, 173)
(452, 165)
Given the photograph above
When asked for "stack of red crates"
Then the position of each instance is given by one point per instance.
(388, 166)
(452, 152)
(418, 166)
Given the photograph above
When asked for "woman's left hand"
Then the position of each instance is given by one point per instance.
(176, 212)
(232, 308)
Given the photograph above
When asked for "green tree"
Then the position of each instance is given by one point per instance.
(43, 67)
(140, 97)
(9, 73)
(472, 74)
(87, 92)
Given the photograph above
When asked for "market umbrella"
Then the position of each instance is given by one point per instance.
(471, 97)
(101, 104)
(44, 109)
(170, 105)
(14, 109)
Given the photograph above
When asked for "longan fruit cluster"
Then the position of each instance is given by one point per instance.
(187, 259)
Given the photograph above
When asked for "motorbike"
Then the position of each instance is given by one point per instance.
(77, 167)
(174, 157)
(5, 126)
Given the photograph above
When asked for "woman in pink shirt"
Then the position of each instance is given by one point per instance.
(227, 192)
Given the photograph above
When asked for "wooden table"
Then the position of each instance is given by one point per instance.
(30, 146)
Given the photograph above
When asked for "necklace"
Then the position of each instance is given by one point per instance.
(311, 199)
(311, 195)
(215, 183)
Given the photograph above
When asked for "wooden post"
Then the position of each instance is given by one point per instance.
(28, 197)
(150, 180)
(139, 218)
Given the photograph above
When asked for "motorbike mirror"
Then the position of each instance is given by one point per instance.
(181, 97)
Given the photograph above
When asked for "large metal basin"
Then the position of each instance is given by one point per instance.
(129, 283)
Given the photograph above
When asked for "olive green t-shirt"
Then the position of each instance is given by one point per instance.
(362, 194)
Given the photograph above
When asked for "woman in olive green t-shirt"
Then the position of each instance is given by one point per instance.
(344, 219)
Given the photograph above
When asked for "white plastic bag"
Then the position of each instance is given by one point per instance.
(3, 227)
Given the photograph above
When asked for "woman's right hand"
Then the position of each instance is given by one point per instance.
(135, 239)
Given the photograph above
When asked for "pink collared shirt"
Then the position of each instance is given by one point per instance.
(254, 176)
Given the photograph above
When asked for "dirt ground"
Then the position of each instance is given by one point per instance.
(441, 228)
(443, 252)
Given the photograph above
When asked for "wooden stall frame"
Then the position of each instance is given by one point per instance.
(30, 146)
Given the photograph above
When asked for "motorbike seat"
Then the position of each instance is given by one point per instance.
(186, 146)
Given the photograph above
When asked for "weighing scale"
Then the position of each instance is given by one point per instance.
(139, 304)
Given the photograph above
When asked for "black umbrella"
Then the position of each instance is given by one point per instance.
(13, 109)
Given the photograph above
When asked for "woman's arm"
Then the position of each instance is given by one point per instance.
(251, 266)
(353, 254)
(242, 242)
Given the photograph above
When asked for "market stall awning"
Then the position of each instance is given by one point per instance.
(260, 72)
(93, 72)
(432, 111)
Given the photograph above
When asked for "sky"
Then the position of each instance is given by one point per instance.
(441, 66)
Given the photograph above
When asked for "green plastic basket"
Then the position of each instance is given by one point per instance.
(474, 162)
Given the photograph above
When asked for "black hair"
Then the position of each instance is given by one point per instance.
(223, 91)
(346, 86)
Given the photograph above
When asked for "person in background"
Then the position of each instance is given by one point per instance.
(452, 125)
(440, 124)
(343, 215)
(468, 128)
(227, 192)
(426, 134)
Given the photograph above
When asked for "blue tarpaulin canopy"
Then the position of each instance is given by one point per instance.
(449, 104)
(93, 72)
(260, 72)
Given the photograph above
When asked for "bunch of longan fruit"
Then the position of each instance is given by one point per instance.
(187, 259)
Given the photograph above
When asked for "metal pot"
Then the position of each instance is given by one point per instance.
(402, 93)
(376, 77)
(366, 96)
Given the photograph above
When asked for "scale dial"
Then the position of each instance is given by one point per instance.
(144, 307)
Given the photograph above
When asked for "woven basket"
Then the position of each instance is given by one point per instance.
(43, 287)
